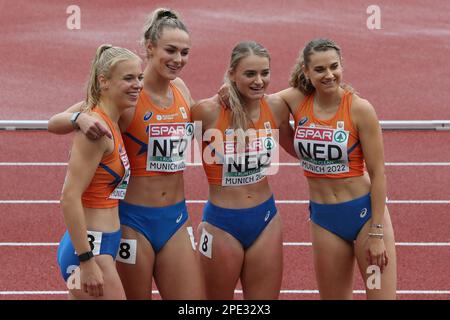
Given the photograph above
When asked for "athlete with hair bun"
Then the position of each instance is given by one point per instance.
(158, 239)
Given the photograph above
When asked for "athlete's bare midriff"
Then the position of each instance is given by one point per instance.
(156, 191)
(239, 197)
(330, 191)
(102, 219)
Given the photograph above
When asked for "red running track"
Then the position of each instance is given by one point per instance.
(50, 65)
(420, 268)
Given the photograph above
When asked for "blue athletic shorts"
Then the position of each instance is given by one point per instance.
(101, 243)
(344, 219)
(243, 224)
(156, 224)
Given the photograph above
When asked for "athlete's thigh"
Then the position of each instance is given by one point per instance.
(333, 263)
(137, 276)
(177, 268)
(378, 285)
(221, 257)
(263, 264)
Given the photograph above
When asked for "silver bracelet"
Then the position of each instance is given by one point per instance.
(378, 235)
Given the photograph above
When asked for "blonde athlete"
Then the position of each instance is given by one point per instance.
(158, 239)
(97, 177)
(240, 236)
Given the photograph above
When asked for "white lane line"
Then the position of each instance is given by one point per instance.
(29, 201)
(399, 244)
(156, 292)
(33, 164)
(288, 244)
(281, 164)
(204, 201)
(28, 244)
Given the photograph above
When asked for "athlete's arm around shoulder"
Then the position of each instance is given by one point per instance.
(179, 83)
(281, 113)
(85, 157)
(292, 97)
(207, 111)
(61, 123)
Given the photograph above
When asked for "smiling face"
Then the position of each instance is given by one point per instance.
(324, 69)
(252, 76)
(171, 52)
(124, 83)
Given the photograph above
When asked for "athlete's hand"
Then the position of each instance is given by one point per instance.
(91, 278)
(91, 127)
(224, 96)
(376, 252)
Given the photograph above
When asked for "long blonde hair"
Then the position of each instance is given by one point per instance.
(106, 58)
(240, 119)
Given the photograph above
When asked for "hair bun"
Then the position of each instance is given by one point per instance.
(167, 14)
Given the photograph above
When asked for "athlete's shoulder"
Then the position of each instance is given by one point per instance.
(293, 97)
(277, 105)
(362, 111)
(181, 85)
(361, 105)
(206, 110)
(274, 99)
(207, 105)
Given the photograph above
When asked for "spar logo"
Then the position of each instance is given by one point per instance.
(171, 130)
(316, 134)
(340, 136)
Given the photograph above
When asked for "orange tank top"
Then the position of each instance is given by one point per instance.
(111, 177)
(328, 148)
(157, 138)
(222, 162)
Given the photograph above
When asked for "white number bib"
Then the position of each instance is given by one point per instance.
(248, 167)
(322, 150)
(121, 189)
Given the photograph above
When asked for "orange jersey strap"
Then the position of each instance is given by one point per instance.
(328, 148)
(225, 164)
(151, 126)
(111, 176)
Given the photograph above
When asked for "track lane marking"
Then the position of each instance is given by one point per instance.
(287, 244)
(281, 164)
(156, 292)
(204, 201)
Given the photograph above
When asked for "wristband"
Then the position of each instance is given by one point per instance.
(85, 256)
(73, 119)
(377, 235)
